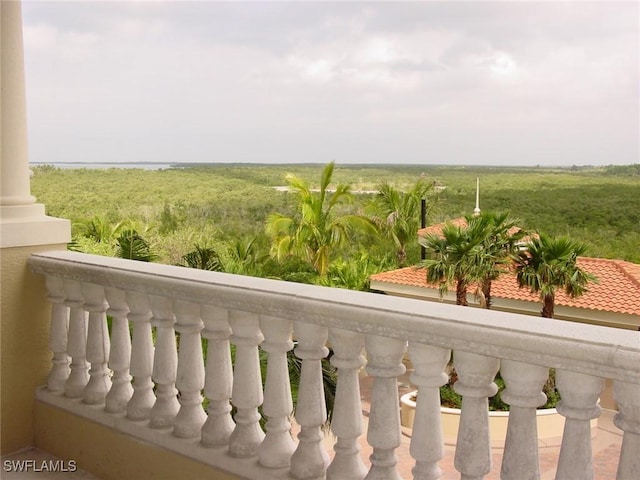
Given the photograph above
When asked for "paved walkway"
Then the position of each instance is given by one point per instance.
(606, 448)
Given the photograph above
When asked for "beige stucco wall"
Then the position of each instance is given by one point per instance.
(24, 352)
(111, 455)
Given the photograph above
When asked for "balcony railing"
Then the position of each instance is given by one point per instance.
(142, 379)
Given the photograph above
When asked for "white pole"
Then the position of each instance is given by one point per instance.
(476, 211)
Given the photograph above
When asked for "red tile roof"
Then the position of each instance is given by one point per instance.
(437, 228)
(457, 222)
(617, 290)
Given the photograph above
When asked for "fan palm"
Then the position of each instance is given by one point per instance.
(478, 251)
(317, 230)
(498, 237)
(548, 264)
(450, 259)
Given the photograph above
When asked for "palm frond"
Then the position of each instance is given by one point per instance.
(548, 264)
(203, 258)
(132, 246)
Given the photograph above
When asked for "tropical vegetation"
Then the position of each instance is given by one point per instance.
(488, 245)
(449, 259)
(500, 237)
(216, 205)
(356, 221)
(476, 251)
(350, 222)
(548, 264)
(398, 213)
(452, 399)
(318, 229)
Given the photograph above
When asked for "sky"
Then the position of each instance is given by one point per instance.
(460, 83)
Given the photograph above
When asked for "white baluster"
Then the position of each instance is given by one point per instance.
(219, 377)
(627, 396)
(579, 404)
(346, 422)
(427, 444)
(165, 363)
(190, 377)
(77, 342)
(385, 365)
(247, 385)
(475, 384)
(98, 344)
(524, 394)
(143, 398)
(58, 335)
(310, 459)
(278, 445)
(120, 353)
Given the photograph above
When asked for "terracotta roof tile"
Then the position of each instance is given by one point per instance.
(617, 290)
(457, 222)
(437, 228)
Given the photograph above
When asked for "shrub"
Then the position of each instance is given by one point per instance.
(449, 398)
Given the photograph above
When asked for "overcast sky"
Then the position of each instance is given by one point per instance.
(493, 83)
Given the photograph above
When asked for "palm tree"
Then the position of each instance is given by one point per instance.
(548, 264)
(354, 273)
(244, 257)
(499, 237)
(450, 259)
(317, 230)
(132, 246)
(100, 230)
(478, 251)
(203, 258)
(397, 214)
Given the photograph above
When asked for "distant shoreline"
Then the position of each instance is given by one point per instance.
(180, 165)
(106, 165)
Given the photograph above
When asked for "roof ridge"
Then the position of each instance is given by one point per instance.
(622, 265)
(599, 259)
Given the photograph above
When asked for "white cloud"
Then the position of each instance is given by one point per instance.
(272, 81)
(39, 37)
(49, 40)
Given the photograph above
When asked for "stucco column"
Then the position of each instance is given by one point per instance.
(15, 174)
(22, 221)
(25, 357)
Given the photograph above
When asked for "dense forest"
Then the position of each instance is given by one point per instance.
(221, 211)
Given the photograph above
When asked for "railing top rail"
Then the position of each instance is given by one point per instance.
(595, 350)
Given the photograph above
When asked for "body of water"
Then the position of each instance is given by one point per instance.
(142, 165)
